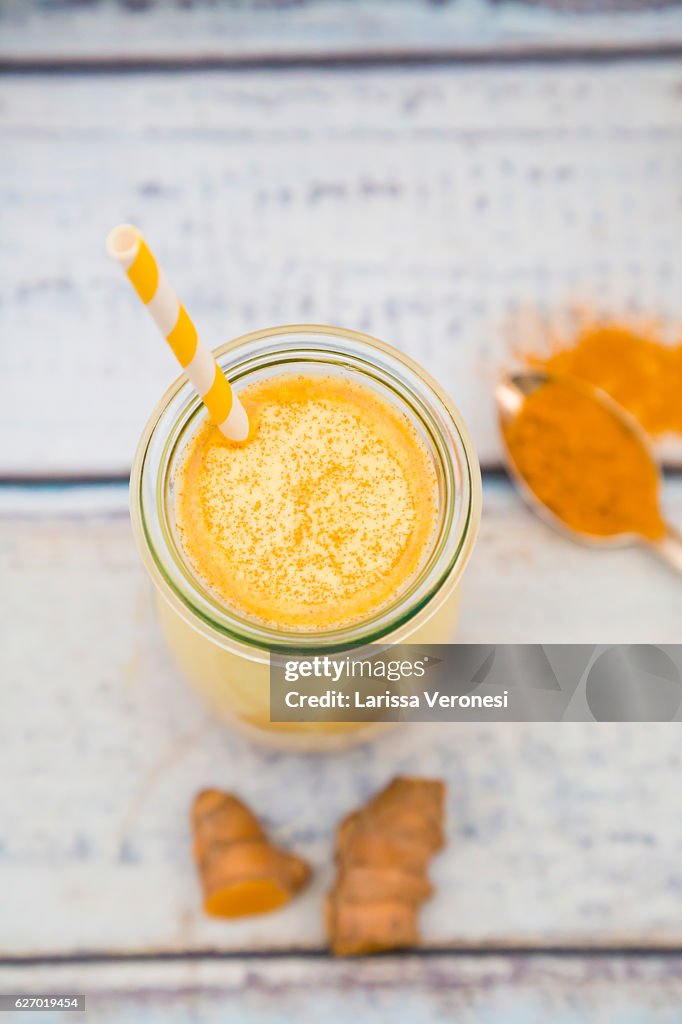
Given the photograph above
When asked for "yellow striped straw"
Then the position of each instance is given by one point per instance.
(126, 245)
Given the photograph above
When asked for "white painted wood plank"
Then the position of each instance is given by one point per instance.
(558, 833)
(326, 28)
(419, 205)
(530, 585)
(409, 989)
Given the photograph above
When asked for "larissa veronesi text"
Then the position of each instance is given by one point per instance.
(389, 699)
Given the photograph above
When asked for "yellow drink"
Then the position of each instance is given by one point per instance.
(346, 518)
(321, 517)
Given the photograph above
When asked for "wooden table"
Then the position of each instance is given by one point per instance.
(420, 172)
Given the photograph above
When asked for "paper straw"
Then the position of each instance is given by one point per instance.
(126, 245)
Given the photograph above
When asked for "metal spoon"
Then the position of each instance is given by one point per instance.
(510, 394)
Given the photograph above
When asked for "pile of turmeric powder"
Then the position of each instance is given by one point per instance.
(583, 463)
(633, 365)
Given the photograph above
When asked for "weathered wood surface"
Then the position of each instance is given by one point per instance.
(323, 29)
(421, 205)
(409, 989)
(559, 834)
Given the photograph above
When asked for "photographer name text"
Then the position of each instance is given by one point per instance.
(426, 699)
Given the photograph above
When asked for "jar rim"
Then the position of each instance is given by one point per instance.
(180, 409)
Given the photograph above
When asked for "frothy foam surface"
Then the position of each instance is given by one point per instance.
(321, 517)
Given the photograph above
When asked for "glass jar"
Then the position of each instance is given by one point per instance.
(225, 655)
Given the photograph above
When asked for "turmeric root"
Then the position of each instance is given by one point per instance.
(241, 872)
(373, 927)
(382, 854)
(384, 850)
(358, 884)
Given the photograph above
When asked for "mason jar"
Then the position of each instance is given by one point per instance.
(225, 655)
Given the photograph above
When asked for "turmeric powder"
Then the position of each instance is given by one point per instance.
(241, 872)
(382, 854)
(584, 464)
(633, 365)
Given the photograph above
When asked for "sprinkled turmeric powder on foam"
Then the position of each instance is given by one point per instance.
(322, 517)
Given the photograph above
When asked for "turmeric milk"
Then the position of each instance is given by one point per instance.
(322, 517)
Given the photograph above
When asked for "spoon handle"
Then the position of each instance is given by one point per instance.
(669, 547)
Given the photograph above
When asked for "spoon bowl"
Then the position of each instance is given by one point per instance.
(510, 394)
